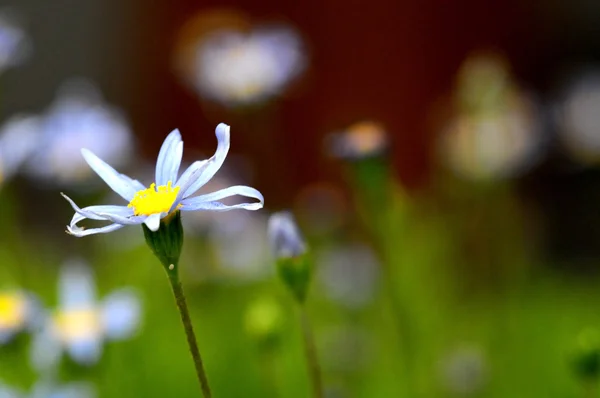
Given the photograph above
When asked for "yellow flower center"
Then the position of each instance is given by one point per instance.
(77, 324)
(12, 311)
(154, 200)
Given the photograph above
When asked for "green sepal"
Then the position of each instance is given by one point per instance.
(166, 243)
(296, 272)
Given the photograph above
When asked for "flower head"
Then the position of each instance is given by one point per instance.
(18, 312)
(237, 68)
(293, 263)
(360, 140)
(286, 240)
(81, 323)
(167, 195)
(78, 118)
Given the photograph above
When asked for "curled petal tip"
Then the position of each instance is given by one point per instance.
(222, 131)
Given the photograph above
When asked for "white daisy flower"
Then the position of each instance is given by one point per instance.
(235, 68)
(167, 195)
(81, 323)
(78, 118)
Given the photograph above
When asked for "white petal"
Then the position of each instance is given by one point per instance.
(153, 222)
(45, 351)
(210, 201)
(94, 212)
(120, 183)
(213, 164)
(169, 159)
(127, 220)
(81, 232)
(120, 314)
(85, 351)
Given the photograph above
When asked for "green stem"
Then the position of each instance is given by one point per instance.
(590, 389)
(189, 330)
(268, 373)
(310, 350)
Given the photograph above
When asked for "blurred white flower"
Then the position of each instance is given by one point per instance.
(360, 140)
(18, 140)
(9, 392)
(464, 370)
(81, 323)
(578, 114)
(238, 68)
(77, 119)
(349, 274)
(44, 389)
(19, 312)
(496, 132)
(14, 44)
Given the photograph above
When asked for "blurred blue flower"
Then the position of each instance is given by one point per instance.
(81, 323)
(237, 68)
(9, 392)
(464, 370)
(19, 311)
(284, 236)
(167, 194)
(14, 44)
(18, 140)
(46, 389)
(349, 274)
(578, 117)
(78, 118)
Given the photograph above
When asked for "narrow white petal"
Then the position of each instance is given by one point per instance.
(213, 164)
(81, 232)
(119, 183)
(169, 159)
(124, 220)
(210, 201)
(153, 222)
(93, 212)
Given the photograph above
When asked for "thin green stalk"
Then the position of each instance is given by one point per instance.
(189, 330)
(310, 351)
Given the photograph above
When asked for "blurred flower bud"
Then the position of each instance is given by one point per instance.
(586, 355)
(360, 140)
(167, 241)
(263, 322)
(464, 371)
(293, 264)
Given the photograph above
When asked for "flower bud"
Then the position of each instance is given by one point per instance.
(293, 263)
(167, 241)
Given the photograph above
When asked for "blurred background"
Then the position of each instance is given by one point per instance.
(442, 160)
